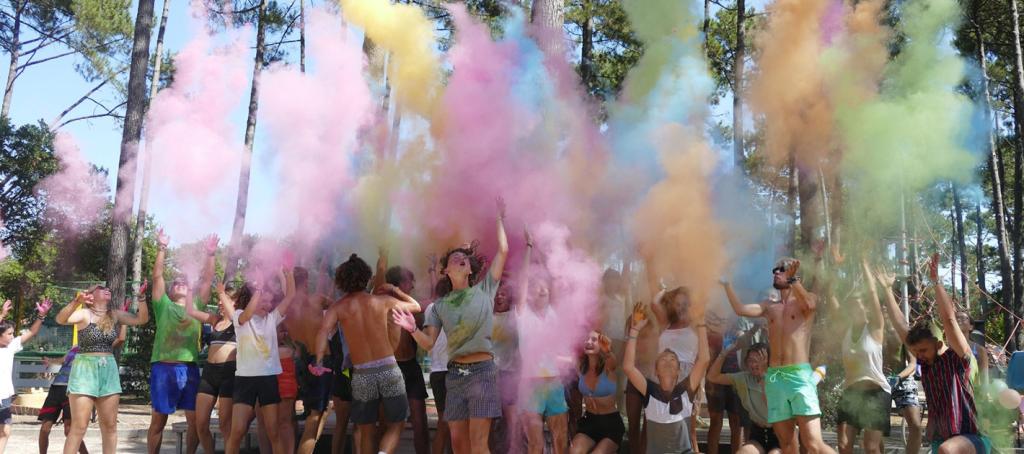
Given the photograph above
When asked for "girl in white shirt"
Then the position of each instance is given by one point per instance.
(258, 360)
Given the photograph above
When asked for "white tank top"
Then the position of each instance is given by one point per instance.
(863, 360)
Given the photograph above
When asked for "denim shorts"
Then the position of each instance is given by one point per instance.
(94, 375)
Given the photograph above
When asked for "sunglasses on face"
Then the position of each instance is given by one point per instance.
(778, 270)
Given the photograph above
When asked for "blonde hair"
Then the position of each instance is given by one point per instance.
(106, 322)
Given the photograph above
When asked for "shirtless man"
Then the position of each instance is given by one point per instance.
(792, 395)
(303, 324)
(405, 353)
(376, 379)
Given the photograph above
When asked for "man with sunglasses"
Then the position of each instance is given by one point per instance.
(174, 378)
(790, 389)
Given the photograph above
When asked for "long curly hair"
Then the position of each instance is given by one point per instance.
(476, 265)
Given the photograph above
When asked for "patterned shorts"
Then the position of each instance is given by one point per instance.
(375, 386)
(472, 391)
(904, 392)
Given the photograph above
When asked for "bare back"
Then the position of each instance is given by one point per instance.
(304, 318)
(789, 332)
(364, 319)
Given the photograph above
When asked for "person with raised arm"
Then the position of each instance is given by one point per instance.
(665, 394)
(258, 363)
(903, 384)
(465, 313)
(791, 390)
(303, 322)
(601, 428)
(94, 381)
(377, 383)
(9, 345)
(217, 383)
(867, 395)
(945, 373)
(671, 309)
(542, 393)
(174, 377)
(749, 385)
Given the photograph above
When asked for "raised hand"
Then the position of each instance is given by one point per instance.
(404, 319)
(933, 268)
(791, 270)
(885, 277)
(500, 201)
(6, 310)
(605, 343)
(43, 307)
(162, 239)
(210, 245)
(639, 319)
(318, 370)
(143, 288)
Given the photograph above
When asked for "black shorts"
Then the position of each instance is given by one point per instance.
(262, 389)
(314, 391)
(438, 387)
(415, 387)
(56, 406)
(600, 427)
(218, 379)
(342, 385)
(722, 399)
(764, 436)
(865, 408)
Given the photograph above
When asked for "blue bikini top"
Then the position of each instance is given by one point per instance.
(605, 387)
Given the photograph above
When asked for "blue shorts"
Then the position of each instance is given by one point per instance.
(173, 386)
(982, 445)
(547, 397)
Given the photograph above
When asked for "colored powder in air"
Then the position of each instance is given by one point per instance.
(76, 195)
(408, 34)
(312, 120)
(196, 149)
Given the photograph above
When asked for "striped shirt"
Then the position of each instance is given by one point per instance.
(950, 396)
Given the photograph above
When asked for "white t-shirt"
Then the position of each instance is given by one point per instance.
(683, 342)
(7, 367)
(439, 354)
(257, 345)
(536, 356)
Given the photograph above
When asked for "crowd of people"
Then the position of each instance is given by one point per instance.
(279, 337)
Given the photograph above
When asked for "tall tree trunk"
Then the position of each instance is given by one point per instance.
(791, 203)
(737, 81)
(12, 71)
(810, 219)
(549, 17)
(242, 203)
(587, 48)
(302, 35)
(995, 170)
(953, 257)
(961, 246)
(979, 249)
(117, 266)
(147, 163)
(1018, 163)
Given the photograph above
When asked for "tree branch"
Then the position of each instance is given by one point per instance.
(86, 96)
(109, 113)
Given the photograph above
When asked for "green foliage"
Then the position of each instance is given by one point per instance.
(615, 47)
(281, 21)
(26, 158)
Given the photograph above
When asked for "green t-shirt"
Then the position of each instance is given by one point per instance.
(752, 396)
(177, 334)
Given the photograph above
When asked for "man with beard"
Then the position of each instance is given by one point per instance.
(791, 392)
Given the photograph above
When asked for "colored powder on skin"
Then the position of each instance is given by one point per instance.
(195, 145)
(76, 193)
(408, 34)
(328, 104)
